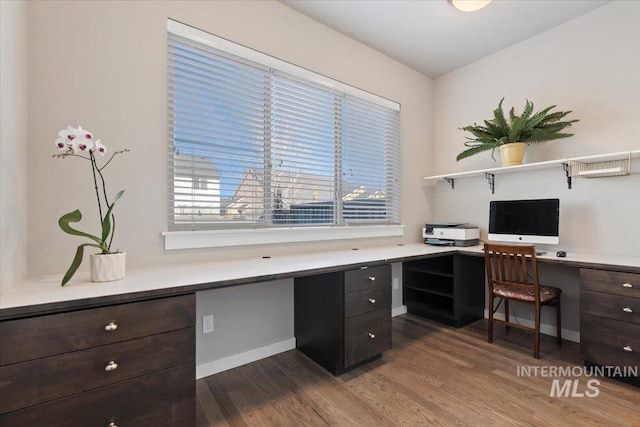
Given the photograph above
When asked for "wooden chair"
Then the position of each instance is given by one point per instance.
(511, 277)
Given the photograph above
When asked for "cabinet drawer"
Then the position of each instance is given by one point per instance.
(27, 339)
(165, 398)
(372, 299)
(366, 335)
(611, 306)
(366, 278)
(611, 282)
(33, 382)
(609, 342)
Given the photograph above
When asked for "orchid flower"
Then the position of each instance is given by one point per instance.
(65, 139)
(79, 132)
(100, 148)
(68, 134)
(83, 139)
(81, 144)
(62, 144)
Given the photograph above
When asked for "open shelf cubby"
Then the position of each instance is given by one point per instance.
(447, 288)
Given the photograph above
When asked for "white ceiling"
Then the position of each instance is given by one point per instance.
(433, 37)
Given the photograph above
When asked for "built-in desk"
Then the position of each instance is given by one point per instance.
(43, 295)
(111, 348)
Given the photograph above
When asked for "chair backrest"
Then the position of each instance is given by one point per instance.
(508, 265)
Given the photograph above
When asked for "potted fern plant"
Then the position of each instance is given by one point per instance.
(513, 135)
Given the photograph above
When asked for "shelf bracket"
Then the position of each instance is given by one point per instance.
(451, 182)
(565, 167)
(491, 179)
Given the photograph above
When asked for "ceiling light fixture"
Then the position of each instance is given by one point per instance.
(469, 5)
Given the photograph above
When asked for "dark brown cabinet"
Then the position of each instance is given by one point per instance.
(132, 364)
(343, 319)
(610, 319)
(448, 289)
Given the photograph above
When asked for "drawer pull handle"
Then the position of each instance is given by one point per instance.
(112, 326)
(372, 300)
(627, 310)
(111, 366)
(372, 278)
(627, 348)
(372, 336)
(627, 285)
(112, 424)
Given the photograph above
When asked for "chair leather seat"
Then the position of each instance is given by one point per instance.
(547, 293)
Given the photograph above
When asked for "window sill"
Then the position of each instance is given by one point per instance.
(225, 238)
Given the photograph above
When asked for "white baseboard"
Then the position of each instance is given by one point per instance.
(235, 360)
(397, 311)
(545, 328)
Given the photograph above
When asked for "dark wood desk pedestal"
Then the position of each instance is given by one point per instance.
(126, 364)
(610, 319)
(343, 319)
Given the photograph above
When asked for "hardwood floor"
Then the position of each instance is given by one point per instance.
(434, 375)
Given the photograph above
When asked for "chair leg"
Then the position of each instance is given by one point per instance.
(536, 333)
(506, 312)
(558, 322)
(490, 328)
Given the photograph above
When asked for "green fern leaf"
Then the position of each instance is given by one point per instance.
(475, 150)
(499, 120)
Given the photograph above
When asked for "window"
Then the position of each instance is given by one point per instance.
(255, 142)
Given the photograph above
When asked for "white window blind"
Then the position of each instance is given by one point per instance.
(260, 143)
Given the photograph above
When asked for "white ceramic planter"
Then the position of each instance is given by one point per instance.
(107, 267)
(512, 154)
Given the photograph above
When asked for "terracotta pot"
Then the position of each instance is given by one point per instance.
(107, 267)
(512, 154)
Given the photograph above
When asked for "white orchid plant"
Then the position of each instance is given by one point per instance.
(78, 142)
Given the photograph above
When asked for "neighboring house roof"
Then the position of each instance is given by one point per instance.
(294, 188)
(194, 166)
(362, 193)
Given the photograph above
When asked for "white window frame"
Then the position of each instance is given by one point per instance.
(257, 236)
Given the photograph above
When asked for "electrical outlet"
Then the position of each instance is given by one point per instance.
(396, 283)
(207, 324)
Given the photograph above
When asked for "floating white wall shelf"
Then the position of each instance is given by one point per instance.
(490, 174)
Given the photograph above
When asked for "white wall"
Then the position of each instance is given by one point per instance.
(245, 318)
(107, 72)
(13, 142)
(588, 65)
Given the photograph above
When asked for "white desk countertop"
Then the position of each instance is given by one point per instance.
(46, 289)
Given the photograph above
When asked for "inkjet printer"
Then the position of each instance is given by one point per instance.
(451, 234)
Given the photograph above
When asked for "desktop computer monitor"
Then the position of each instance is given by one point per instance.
(524, 221)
